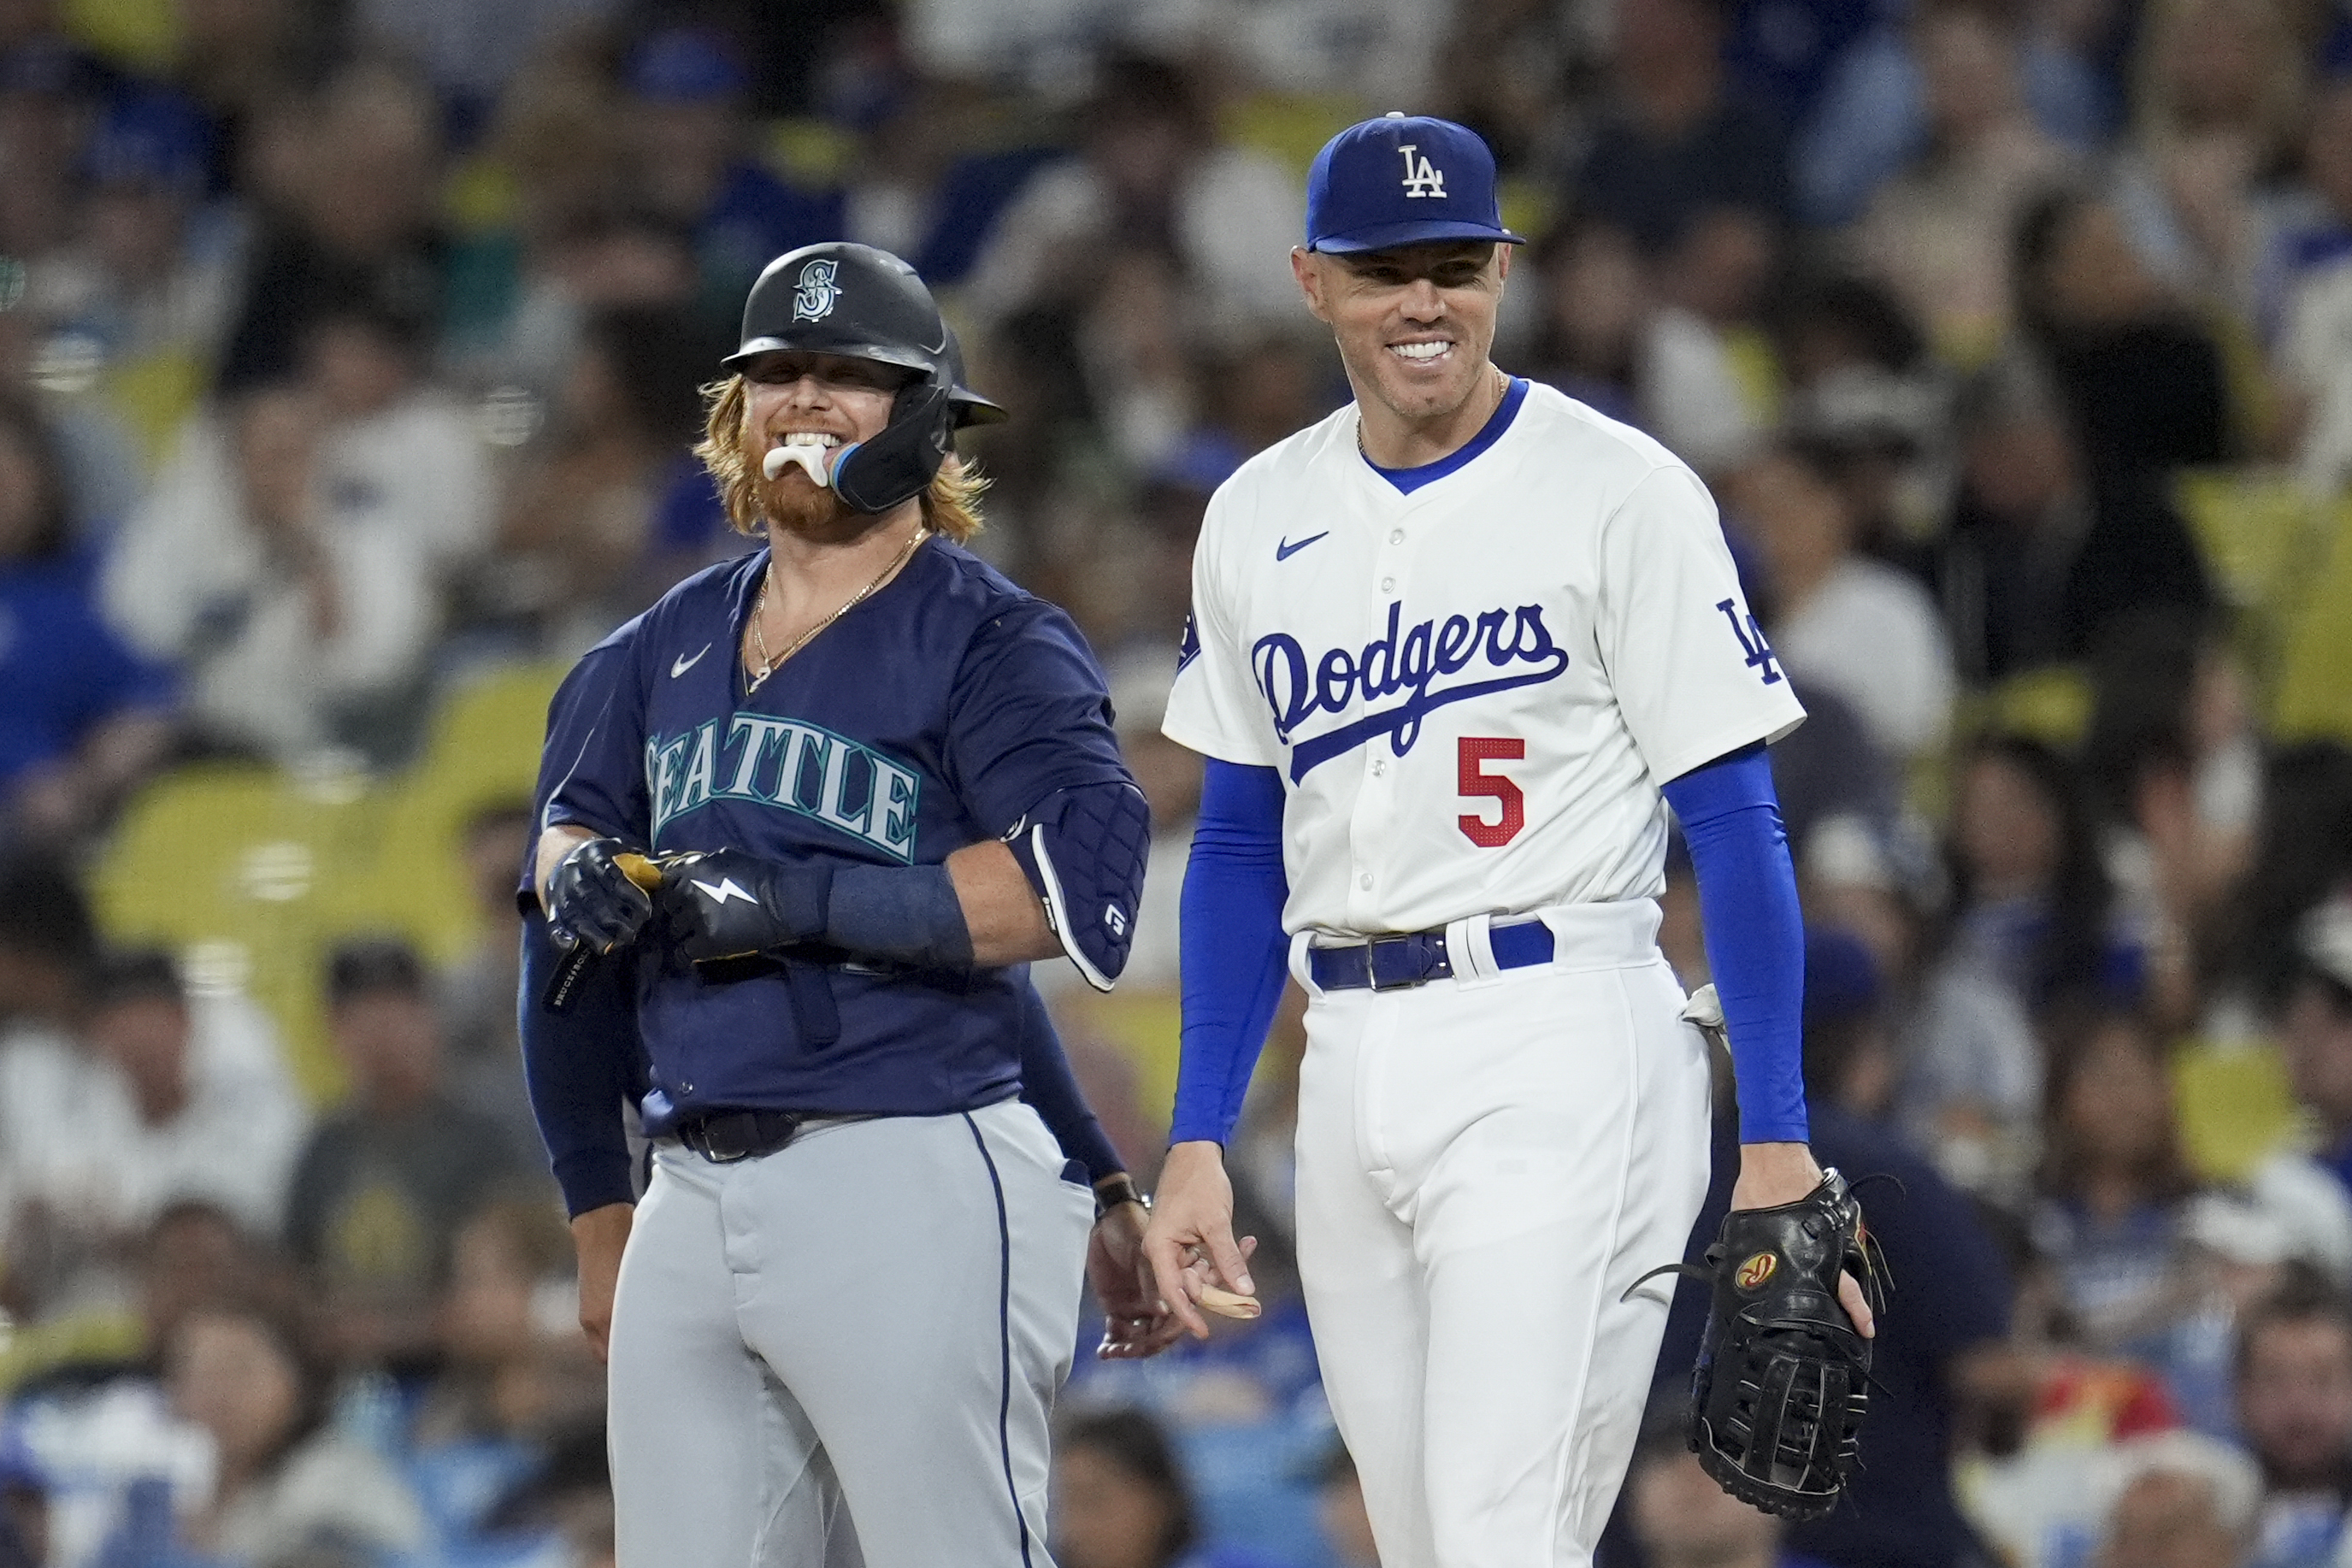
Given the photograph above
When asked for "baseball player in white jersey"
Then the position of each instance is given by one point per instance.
(1448, 648)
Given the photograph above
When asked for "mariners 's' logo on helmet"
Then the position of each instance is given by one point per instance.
(814, 303)
(1756, 1270)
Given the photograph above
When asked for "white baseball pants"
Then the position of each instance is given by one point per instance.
(1484, 1165)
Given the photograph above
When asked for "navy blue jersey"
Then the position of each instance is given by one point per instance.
(932, 716)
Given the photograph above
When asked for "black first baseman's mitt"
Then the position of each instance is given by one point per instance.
(1779, 1394)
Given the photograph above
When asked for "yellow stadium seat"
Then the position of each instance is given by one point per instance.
(1291, 127)
(2258, 530)
(2052, 705)
(2235, 1106)
(254, 874)
(482, 752)
(250, 873)
(2312, 697)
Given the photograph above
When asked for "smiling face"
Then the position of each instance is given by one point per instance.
(1414, 324)
(828, 401)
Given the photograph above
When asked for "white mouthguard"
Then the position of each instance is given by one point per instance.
(809, 455)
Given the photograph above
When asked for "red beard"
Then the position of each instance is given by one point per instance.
(795, 503)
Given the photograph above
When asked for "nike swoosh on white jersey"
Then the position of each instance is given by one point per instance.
(728, 888)
(681, 664)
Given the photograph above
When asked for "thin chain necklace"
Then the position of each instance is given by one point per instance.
(759, 607)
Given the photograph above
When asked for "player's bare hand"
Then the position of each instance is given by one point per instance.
(590, 898)
(1771, 1174)
(599, 1236)
(1135, 1323)
(1190, 1241)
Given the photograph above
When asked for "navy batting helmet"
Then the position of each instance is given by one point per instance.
(862, 303)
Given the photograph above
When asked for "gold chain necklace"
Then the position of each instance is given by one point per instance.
(759, 607)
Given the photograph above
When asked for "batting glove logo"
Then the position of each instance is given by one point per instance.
(728, 888)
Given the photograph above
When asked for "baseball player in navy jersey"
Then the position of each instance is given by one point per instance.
(1448, 648)
(802, 826)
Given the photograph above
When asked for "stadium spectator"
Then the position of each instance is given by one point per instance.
(477, 995)
(1953, 1353)
(1154, 182)
(2038, 561)
(1870, 116)
(245, 1373)
(348, 215)
(2139, 376)
(1596, 296)
(48, 88)
(2182, 1501)
(2111, 1222)
(590, 532)
(2306, 302)
(1937, 233)
(47, 1180)
(82, 717)
(692, 161)
(1842, 622)
(2032, 918)
(503, 1378)
(379, 1190)
(1676, 146)
(397, 450)
(299, 624)
(2220, 94)
(154, 279)
(2302, 857)
(1120, 1499)
(199, 1103)
(2295, 1409)
(2316, 1031)
(1704, 387)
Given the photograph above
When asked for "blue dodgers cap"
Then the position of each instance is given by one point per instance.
(1402, 180)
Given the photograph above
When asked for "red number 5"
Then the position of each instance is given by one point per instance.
(1476, 781)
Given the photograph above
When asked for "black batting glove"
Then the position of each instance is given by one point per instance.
(590, 900)
(724, 903)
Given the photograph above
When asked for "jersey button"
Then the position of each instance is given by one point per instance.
(1387, 584)
(1396, 536)
(1365, 881)
(1380, 766)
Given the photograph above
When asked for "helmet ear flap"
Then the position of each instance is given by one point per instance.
(899, 463)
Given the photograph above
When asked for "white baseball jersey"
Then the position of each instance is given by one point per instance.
(1473, 691)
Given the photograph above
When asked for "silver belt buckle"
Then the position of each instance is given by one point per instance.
(1373, 969)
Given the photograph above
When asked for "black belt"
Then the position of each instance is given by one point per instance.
(723, 1137)
(1416, 958)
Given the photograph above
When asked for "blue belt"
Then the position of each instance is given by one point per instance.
(1416, 958)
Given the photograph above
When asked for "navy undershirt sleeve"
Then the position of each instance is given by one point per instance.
(580, 1066)
(1232, 947)
(1052, 1091)
(1755, 934)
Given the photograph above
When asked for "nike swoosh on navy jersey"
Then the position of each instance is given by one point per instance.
(1284, 550)
(681, 664)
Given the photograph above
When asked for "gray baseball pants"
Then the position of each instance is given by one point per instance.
(846, 1352)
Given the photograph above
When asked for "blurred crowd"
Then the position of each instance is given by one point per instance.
(351, 347)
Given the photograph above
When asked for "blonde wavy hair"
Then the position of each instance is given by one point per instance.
(950, 504)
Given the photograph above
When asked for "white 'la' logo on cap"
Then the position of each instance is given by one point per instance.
(1419, 179)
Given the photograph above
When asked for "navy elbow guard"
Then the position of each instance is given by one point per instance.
(1084, 851)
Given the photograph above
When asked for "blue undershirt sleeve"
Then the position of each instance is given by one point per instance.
(580, 1066)
(1755, 934)
(1231, 945)
(1052, 1091)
